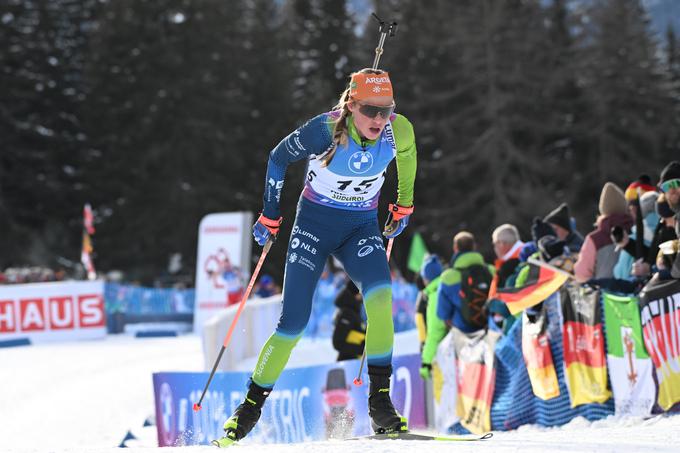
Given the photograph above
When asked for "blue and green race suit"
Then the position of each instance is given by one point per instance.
(336, 215)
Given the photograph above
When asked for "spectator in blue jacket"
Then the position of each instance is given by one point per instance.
(450, 304)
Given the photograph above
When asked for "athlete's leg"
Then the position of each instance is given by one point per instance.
(363, 256)
(308, 250)
(309, 247)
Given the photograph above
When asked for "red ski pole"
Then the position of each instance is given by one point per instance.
(227, 339)
(357, 380)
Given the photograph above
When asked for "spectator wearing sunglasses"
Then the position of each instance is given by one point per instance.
(669, 184)
(665, 231)
(347, 151)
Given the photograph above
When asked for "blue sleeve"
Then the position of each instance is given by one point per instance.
(313, 137)
(444, 302)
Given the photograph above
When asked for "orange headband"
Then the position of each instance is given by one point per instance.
(363, 86)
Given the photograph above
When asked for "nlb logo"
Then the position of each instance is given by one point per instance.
(52, 313)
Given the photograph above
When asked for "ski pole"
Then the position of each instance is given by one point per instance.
(357, 380)
(383, 29)
(227, 339)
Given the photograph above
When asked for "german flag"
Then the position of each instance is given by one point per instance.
(540, 283)
(583, 341)
(538, 357)
(476, 378)
(660, 316)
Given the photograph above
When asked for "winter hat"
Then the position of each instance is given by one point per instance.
(663, 208)
(560, 217)
(550, 247)
(364, 85)
(643, 184)
(539, 228)
(671, 171)
(612, 200)
(647, 203)
(431, 268)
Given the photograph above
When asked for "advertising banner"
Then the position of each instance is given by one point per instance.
(311, 403)
(538, 357)
(476, 377)
(222, 264)
(660, 317)
(583, 343)
(630, 367)
(55, 311)
(445, 384)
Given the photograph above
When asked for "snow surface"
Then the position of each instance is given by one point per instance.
(83, 397)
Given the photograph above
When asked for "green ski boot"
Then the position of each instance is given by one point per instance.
(244, 417)
(384, 417)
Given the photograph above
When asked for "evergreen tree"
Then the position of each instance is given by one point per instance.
(673, 70)
(40, 165)
(629, 102)
(190, 95)
(480, 109)
(321, 41)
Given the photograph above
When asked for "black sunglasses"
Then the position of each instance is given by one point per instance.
(371, 111)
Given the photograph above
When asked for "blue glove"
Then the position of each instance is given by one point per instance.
(265, 228)
(396, 220)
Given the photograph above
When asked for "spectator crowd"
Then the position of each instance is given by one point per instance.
(32, 274)
(634, 243)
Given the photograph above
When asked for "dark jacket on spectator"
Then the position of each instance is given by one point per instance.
(349, 331)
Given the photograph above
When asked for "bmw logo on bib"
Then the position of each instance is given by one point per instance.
(360, 162)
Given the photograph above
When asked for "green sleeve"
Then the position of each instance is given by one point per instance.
(406, 159)
(522, 277)
(436, 328)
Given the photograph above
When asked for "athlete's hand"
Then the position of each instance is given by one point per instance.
(265, 228)
(396, 220)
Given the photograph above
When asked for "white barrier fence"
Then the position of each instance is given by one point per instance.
(256, 323)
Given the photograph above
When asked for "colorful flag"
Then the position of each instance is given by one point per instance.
(630, 368)
(476, 378)
(86, 256)
(540, 283)
(416, 253)
(444, 384)
(88, 219)
(660, 316)
(86, 250)
(583, 342)
(538, 357)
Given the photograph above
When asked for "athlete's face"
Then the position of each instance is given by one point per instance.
(371, 115)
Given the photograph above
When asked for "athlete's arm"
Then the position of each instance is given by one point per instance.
(406, 159)
(313, 137)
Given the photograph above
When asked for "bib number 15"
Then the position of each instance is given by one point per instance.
(359, 187)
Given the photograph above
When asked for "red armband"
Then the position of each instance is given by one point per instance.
(399, 212)
(271, 224)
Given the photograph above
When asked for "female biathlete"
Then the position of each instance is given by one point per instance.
(348, 150)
